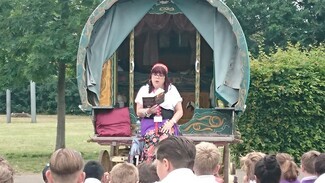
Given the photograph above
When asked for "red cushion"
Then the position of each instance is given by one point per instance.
(113, 122)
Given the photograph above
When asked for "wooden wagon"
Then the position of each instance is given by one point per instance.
(200, 41)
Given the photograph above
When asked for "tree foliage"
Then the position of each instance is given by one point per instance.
(41, 38)
(275, 23)
(35, 37)
(286, 102)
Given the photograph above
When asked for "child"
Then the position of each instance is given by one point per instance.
(147, 172)
(307, 166)
(45, 169)
(175, 158)
(6, 172)
(206, 164)
(95, 172)
(248, 165)
(288, 167)
(320, 168)
(124, 172)
(267, 170)
(66, 165)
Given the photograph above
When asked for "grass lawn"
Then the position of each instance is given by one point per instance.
(28, 146)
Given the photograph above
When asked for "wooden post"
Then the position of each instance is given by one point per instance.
(8, 104)
(226, 163)
(33, 101)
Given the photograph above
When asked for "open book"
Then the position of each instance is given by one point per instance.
(158, 98)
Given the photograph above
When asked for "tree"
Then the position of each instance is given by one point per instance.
(268, 24)
(40, 39)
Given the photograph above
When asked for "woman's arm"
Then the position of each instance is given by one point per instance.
(178, 113)
(177, 116)
(143, 112)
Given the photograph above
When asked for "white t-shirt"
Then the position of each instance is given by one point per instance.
(320, 179)
(207, 179)
(180, 175)
(92, 180)
(172, 97)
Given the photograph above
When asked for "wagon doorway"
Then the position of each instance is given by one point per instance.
(171, 39)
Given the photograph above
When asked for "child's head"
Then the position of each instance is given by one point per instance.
(45, 169)
(124, 172)
(248, 164)
(93, 169)
(267, 170)
(173, 153)
(66, 165)
(288, 167)
(147, 172)
(6, 172)
(207, 159)
(308, 162)
(320, 164)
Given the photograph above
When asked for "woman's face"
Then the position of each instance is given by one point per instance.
(157, 80)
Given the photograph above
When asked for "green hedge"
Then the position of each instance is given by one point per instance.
(285, 105)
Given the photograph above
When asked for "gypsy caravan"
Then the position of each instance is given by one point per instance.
(200, 41)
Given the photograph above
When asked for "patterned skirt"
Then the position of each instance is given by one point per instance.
(151, 139)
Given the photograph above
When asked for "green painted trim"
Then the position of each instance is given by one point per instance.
(165, 7)
(210, 121)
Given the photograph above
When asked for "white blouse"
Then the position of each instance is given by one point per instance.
(172, 97)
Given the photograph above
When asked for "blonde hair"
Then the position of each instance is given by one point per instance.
(206, 159)
(308, 161)
(66, 165)
(289, 168)
(124, 172)
(6, 172)
(248, 163)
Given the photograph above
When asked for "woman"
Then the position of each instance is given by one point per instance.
(171, 110)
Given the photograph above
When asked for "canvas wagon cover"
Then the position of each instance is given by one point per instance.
(113, 20)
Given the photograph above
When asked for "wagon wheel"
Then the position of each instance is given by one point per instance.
(105, 160)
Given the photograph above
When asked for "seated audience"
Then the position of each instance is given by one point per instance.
(6, 172)
(45, 169)
(95, 172)
(175, 157)
(320, 168)
(206, 164)
(307, 166)
(147, 172)
(124, 172)
(289, 169)
(267, 170)
(66, 166)
(248, 165)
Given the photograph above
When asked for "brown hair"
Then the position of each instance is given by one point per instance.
(308, 161)
(65, 164)
(6, 172)
(207, 158)
(248, 163)
(179, 150)
(124, 172)
(147, 172)
(288, 167)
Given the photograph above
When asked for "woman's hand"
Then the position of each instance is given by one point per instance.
(153, 109)
(167, 126)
